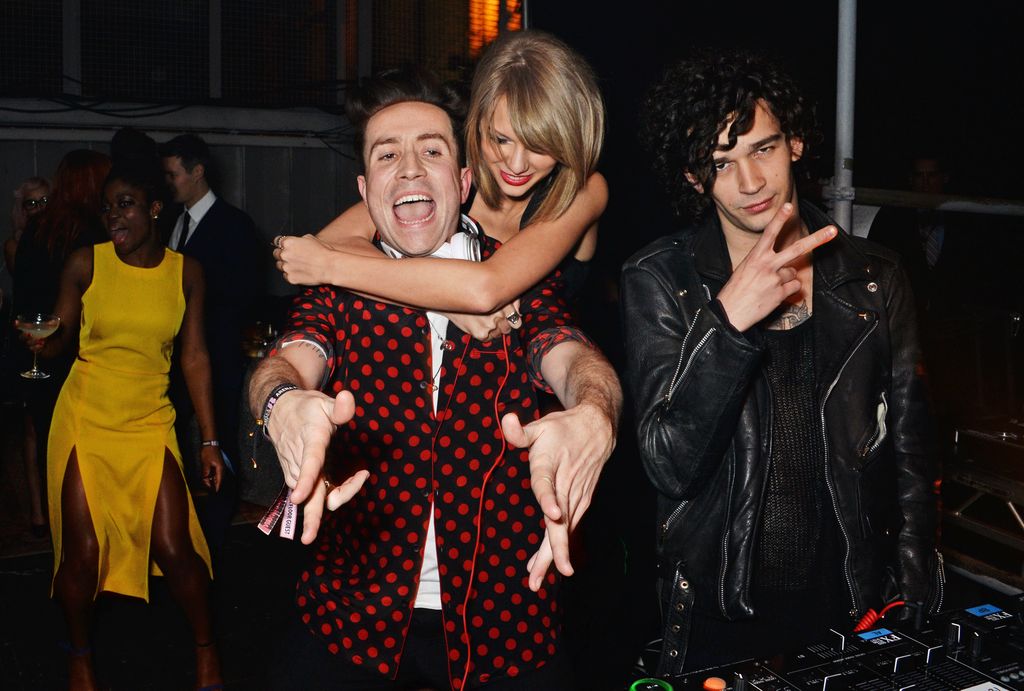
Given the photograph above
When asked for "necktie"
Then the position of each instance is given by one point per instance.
(931, 239)
(184, 231)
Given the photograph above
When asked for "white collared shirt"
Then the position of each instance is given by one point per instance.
(196, 213)
(462, 245)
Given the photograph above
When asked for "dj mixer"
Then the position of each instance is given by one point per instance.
(979, 648)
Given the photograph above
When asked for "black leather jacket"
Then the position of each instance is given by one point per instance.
(704, 410)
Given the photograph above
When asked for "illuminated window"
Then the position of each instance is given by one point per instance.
(488, 18)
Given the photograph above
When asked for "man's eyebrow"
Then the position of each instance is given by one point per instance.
(383, 141)
(426, 136)
(433, 135)
(770, 139)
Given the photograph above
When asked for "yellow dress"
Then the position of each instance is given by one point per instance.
(114, 411)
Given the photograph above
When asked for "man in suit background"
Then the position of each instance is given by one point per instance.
(964, 272)
(226, 243)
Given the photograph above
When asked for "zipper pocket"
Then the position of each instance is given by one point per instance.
(667, 525)
(679, 364)
(679, 376)
(881, 430)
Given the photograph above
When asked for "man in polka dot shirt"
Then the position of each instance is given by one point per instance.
(433, 568)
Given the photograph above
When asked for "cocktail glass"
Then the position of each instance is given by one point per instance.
(38, 326)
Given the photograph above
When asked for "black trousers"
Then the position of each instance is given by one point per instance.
(304, 664)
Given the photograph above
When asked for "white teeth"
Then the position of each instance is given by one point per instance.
(412, 198)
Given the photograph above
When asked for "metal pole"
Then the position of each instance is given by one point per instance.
(364, 18)
(72, 41)
(340, 50)
(216, 70)
(846, 70)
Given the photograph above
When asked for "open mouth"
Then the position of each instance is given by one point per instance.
(515, 180)
(118, 235)
(414, 208)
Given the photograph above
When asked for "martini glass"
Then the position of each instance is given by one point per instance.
(37, 326)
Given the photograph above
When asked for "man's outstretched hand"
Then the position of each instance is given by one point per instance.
(301, 428)
(568, 449)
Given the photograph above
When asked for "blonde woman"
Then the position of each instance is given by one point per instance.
(534, 134)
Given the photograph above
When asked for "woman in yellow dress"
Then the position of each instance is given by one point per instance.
(119, 506)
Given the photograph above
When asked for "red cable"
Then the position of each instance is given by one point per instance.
(871, 617)
(480, 514)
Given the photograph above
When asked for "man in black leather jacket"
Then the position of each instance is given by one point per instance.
(778, 387)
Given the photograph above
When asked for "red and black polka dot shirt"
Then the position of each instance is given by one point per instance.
(359, 593)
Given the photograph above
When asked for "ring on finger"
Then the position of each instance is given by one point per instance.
(513, 318)
(328, 486)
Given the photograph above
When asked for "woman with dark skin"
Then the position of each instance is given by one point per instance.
(113, 404)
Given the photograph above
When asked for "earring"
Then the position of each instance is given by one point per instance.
(156, 217)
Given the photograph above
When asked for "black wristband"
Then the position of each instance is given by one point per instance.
(275, 394)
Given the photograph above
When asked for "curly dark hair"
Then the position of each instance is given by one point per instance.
(402, 85)
(142, 173)
(686, 111)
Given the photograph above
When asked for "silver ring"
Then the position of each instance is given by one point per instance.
(277, 241)
(513, 318)
(327, 485)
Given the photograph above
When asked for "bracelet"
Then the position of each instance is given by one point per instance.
(211, 442)
(275, 395)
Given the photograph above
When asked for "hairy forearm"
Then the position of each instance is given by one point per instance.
(271, 372)
(299, 363)
(581, 375)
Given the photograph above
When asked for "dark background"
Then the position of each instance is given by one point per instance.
(931, 77)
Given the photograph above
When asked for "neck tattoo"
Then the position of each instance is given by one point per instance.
(788, 316)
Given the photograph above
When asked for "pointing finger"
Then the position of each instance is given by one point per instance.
(805, 245)
(312, 512)
(540, 563)
(774, 227)
(345, 491)
(313, 451)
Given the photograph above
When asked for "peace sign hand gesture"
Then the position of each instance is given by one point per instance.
(764, 279)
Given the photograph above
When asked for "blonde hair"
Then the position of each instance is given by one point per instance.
(554, 107)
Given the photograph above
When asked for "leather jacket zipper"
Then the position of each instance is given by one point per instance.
(672, 517)
(940, 577)
(725, 545)
(877, 438)
(680, 370)
(828, 474)
(689, 362)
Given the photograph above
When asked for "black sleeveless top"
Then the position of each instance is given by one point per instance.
(574, 272)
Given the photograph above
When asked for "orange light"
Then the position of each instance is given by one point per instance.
(485, 22)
